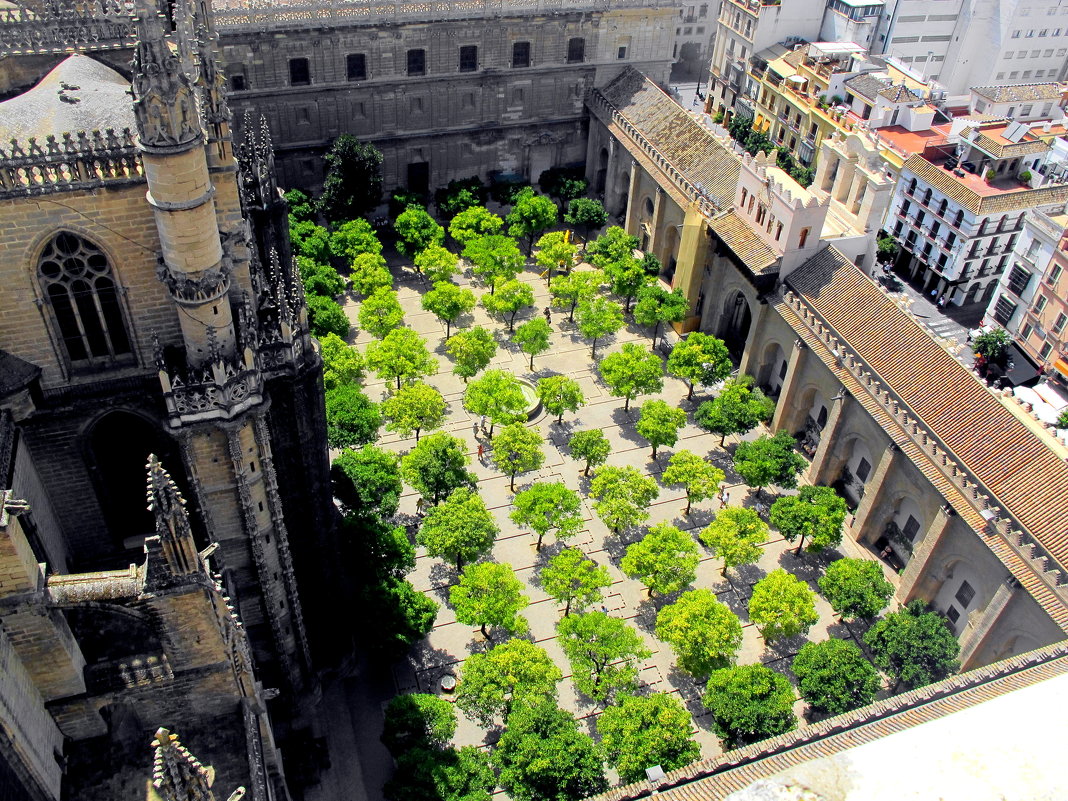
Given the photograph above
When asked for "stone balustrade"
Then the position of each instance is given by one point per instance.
(76, 161)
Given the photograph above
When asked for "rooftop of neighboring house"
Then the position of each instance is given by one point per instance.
(1021, 92)
(873, 85)
(1003, 139)
(906, 142)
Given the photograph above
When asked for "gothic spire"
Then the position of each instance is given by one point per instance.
(165, 501)
(177, 775)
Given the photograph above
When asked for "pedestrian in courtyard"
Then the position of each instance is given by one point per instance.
(548, 315)
(482, 423)
(474, 428)
(481, 451)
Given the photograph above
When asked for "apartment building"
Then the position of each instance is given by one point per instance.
(694, 30)
(1021, 102)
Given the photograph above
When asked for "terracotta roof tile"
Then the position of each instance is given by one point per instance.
(944, 181)
(1022, 91)
(867, 86)
(740, 237)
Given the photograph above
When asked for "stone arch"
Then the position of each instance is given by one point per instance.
(601, 176)
(116, 446)
(736, 322)
(670, 258)
(958, 593)
(857, 464)
(772, 370)
(108, 632)
(648, 207)
(812, 413)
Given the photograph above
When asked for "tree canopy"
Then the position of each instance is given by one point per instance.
(401, 355)
(368, 274)
(559, 394)
(515, 674)
(627, 276)
(613, 245)
(664, 560)
(460, 528)
(511, 298)
(517, 449)
(591, 445)
(441, 774)
(548, 506)
(647, 730)
(815, 513)
(622, 496)
(769, 460)
(735, 536)
(471, 350)
(325, 316)
(834, 677)
(698, 476)
(351, 417)
(473, 222)
(782, 605)
(573, 579)
(418, 720)
(448, 302)
(414, 408)
(749, 703)
(437, 263)
(855, 588)
(631, 371)
(381, 313)
(604, 653)
(657, 306)
(737, 409)
(342, 363)
(700, 359)
(533, 337)
(571, 289)
(353, 238)
(494, 258)
(497, 395)
(596, 318)
(914, 646)
(703, 632)
(556, 252)
(530, 215)
(416, 231)
(436, 466)
(353, 183)
(489, 595)
(586, 214)
(659, 422)
(367, 481)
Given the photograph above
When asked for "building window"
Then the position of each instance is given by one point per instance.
(1054, 273)
(576, 50)
(1058, 324)
(863, 469)
(965, 595)
(952, 615)
(622, 52)
(417, 62)
(80, 288)
(237, 83)
(521, 54)
(1018, 279)
(778, 231)
(1040, 304)
(468, 58)
(1046, 350)
(1003, 310)
(299, 72)
(911, 528)
(1026, 331)
(415, 105)
(803, 238)
(356, 67)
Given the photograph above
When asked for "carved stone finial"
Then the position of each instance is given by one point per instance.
(164, 102)
(176, 545)
(214, 350)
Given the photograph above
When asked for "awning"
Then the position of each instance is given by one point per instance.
(1023, 369)
(798, 79)
(1061, 366)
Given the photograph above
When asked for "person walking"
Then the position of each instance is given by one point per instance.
(482, 423)
(481, 451)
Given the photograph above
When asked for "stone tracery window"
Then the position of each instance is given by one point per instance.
(79, 285)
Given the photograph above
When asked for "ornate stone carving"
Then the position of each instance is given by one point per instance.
(209, 285)
(164, 101)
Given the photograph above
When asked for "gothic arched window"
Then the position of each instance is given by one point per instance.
(79, 286)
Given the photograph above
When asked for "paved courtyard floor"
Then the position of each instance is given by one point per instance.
(450, 642)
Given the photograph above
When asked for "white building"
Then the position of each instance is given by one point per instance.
(1021, 102)
(694, 30)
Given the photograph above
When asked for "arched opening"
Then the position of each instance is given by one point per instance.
(816, 413)
(772, 370)
(735, 323)
(670, 259)
(647, 208)
(957, 597)
(856, 471)
(621, 204)
(602, 171)
(119, 444)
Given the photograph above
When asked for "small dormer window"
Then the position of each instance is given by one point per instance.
(803, 238)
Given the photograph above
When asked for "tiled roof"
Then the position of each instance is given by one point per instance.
(1018, 470)
(688, 146)
(899, 94)
(714, 779)
(740, 238)
(1022, 91)
(867, 86)
(946, 183)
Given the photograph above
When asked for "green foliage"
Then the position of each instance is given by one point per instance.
(700, 477)
(381, 313)
(855, 588)
(556, 252)
(460, 528)
(815, 514)
(749, 703)
(497, 395)
(471, 350)
(367, 481)
(417, 231)
(515, 674)
(700, 359)
(474, 222)
(436, 466)
(375, 551)
(591, 445)
(559, 394)
(402, 355)
(886, 247)
(735, 536)
(325, 316)
(703, 632)
(664, 560)
(622, 495)
(436, 263)
(992, 345)
(631, 371)
(564, 183)
(782, 605)
(369, 274)
(517, 449)
(913, 646)
(354, 238)
(573, 579)
(351, 417)
(769, 460)
(613, 245)
(1062, 419)
(401, 199)
(311, 241)
(803, 175)
(834, 677)
(659, 422)
(458, 196)
(506, 191)
(542, 756)
(586, 214)
(489, 594)
(494, 258)
(530, 215)
(447, 302)
(441, 775)
(300, 206)
(533, 337)
(604, 653)
(511, 298)
(646, 730)
(575, 287)
(626, 276)
(353, 185)
(737, 409)
(548, 507)
(418, 720)
(398, 615)
(657, 306)
(319, 279)
(414, 408)
(342, 363)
